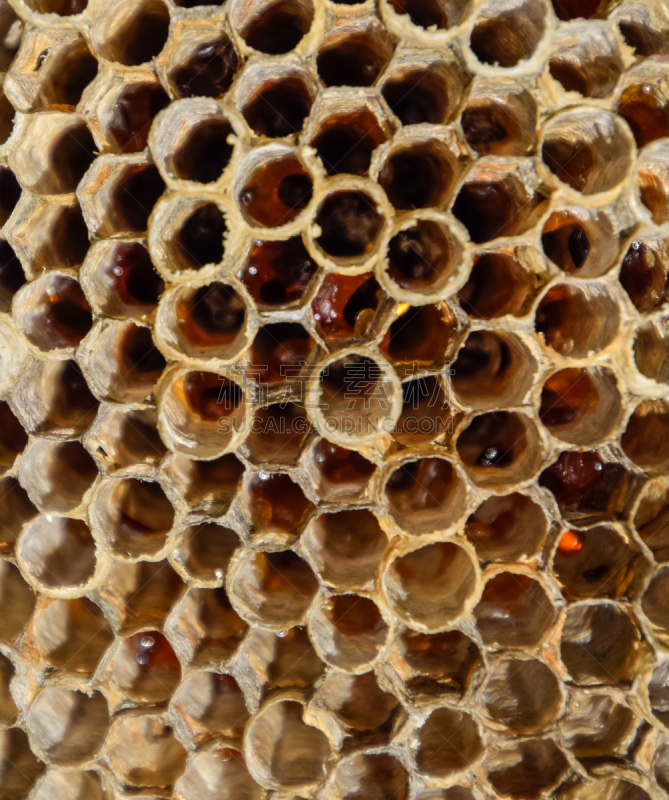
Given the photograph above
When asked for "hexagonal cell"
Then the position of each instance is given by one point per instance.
(643, 26)
(431, 586)
(419, 337)
(644, 101)
(524, 695)
(182, 136)
(273, 589)
(274, 187)
(349, 226)
(339, 474)
(589, 151)
(131, 33)
(610, 788)
(500, 118)
(426, 414)
(526, 769)
(278, 432)
(447, 742)
(501, 282)
(500, 198)
(8, 709)
(55, 151)
(46, 232)
(353, 54)
(16, 595)
(132, 517)
(188, 234)
(644, 439)
(70, 635)
(139, 595)
(585, 484)
(586, 59)
(425, 494)
(596, 726)
(358, 703)
(368, 775)
(507, 528)
(657, 693)
(207, 627)
(15, 510)
(507, 32)
(276, 100)
(651, 517)
(20, 768)
(581, 241)
(53, 312)
(68, 784)
(57, 475)
(433, 664)
(64, 8)
(499, 448)
(581, 405)
(284, 751)
(570, 9)
(346, 547)
(654, 605)
(653, 180)
(278, 273)
(651, 350)
(282, 660)
(204, 551)
(13, 438)
(199, 62)
(345, 141)
(202, 414)
(421, 171)
(600, 643)
(217, 775)
(273, 29)
(68, 727)
(212, 706)
(355, 396)
(207, 321)
(58, 553)
(348, 631)
(644, 273)
(118, 193)
(123, 436)
(432, 15)
(597, 562)
(424, 86)
(514, 611)
(12, 277)
(122, 107)
(49, 71)
(120, 279)
(422, 256)
(276, 505)
(143, 668)
(346, 305)
(144, 752)
(206, 484)
(577, 320)
(62, 404)
(11, 192)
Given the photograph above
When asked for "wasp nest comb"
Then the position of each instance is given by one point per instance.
(334, 419)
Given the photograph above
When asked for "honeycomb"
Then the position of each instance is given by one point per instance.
(334, 408)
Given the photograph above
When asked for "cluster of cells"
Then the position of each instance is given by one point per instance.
(334, 425)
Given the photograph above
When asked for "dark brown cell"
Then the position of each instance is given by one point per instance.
(646, 110)
(278, 108)
(134, 109)
(208, 71)
(278, 273)
(276, 192)
(350, 224)
(345, 142)
(279, 27)
(346, 305)
(417, 95)
(205, 152)
(200, 237)
(279, 352)
(211, 316)
(133, 285)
